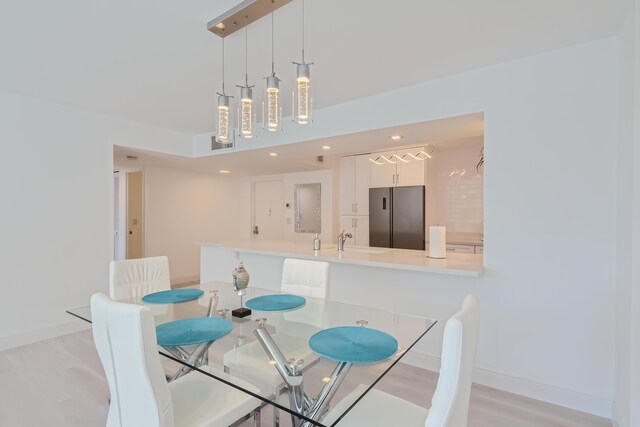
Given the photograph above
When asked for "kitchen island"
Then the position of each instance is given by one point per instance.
(397, 259)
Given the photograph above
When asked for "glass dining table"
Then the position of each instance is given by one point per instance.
(307, 387)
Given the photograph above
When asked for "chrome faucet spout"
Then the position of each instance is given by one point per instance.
(341, 239)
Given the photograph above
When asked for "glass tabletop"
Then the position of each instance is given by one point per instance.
(267, 353)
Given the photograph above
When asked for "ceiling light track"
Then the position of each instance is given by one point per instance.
(245, 13)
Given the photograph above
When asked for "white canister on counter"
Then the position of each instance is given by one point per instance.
(437, 242)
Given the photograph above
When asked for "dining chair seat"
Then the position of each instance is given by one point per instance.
(450, 403)
(195, 397)
(397, 411)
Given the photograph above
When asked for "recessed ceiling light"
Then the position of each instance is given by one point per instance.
(223, 171)
(396, 137)
(273, 154)
(326, 147)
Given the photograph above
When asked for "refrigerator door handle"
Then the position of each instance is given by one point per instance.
(384, 203)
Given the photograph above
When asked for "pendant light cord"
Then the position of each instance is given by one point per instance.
(223, 66)
(303, 31)
(273, 68)
(246, 49)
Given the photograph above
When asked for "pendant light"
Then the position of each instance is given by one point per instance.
(224, 133)
(302, 102)
(245, 110)
(272, 113)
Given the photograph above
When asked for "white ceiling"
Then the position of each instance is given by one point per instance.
(153, 61)
(439, 135)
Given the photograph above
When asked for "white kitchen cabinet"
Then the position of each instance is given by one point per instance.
(398, 174)
(358, 227)
(383, 175)
(479, 250)
(411, 173)
(356, 179)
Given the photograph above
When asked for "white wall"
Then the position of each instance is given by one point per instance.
(626, 409)
(56, 238)
(183, 207)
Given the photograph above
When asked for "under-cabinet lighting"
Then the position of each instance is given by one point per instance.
(223, 171)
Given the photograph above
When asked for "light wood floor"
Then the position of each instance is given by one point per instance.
(60, 382)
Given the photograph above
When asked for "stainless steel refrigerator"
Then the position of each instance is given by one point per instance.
(396, 217)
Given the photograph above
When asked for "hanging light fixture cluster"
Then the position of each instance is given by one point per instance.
(302, 103)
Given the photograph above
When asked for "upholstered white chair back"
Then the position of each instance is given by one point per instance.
(305, 278)
(135, 278)
(125, 337)
(450, 403)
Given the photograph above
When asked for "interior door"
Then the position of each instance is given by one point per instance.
(135, 224)
(268, 210)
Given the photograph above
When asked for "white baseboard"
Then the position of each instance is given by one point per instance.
(30, 337)
(545, 392)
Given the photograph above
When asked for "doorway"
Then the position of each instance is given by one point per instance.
(135, 221)
(268, 210)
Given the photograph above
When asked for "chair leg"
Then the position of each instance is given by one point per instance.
(276, 411)
(256, 418)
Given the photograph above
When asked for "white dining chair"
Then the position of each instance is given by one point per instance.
(299, 277)
(135, 278)
(125, 337)
(450, 403)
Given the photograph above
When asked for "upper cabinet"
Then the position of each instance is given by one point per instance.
(356, 180)
(400, 173)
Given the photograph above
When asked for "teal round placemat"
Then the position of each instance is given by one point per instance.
(353, 344)
(276, 302)
(194, 330)
(173, 296)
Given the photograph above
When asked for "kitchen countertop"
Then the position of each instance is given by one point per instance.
(401, 259)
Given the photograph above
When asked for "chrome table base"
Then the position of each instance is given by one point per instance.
(291, 373)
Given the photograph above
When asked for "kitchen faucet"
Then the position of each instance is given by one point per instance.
(341, 238)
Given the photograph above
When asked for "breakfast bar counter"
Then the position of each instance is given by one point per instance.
(398, 259)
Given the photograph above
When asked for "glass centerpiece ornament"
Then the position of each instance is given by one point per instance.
(240, 283)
